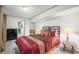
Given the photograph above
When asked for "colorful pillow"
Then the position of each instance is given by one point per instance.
(52, 33)
(42, 33)
(45, 33)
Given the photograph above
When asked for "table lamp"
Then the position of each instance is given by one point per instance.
(68, 31)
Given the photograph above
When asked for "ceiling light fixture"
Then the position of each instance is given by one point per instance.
(25, 8)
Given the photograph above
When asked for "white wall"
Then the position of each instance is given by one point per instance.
(70, 21)
(32, 25)
(27, 27)
(12, 23)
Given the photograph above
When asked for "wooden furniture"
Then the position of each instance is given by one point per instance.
(2, 29)
(11, 34)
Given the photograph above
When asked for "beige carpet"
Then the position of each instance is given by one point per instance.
(9, 47)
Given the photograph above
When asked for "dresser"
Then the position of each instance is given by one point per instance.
(11, 34)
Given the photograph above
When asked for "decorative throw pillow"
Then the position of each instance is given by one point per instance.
(46, 33)
(49, 34)
(52, 33)
(42, 33)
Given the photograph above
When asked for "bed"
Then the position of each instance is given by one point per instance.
(41, 43)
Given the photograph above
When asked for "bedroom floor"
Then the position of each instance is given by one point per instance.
(10, 47)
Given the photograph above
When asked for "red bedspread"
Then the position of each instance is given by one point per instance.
(55, 41)
(46, 40)
(27, 46)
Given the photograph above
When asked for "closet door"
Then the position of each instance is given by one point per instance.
(1, 30)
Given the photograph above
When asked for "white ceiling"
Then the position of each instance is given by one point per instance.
(58, 11)
(39, 12)
(18, 11)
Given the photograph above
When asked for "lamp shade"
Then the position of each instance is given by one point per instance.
(68, 30)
